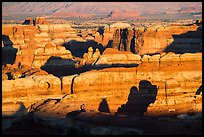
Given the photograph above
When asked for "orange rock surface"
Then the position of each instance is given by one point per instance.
(160, 84)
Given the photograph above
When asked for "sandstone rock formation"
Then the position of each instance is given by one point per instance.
(32, 85)
(113, 57)
(28, 21)
(40, 20)
(41, 55)
(179, 81)
(90, 57)
(35, 21)
(120, 25)
(21, 41)
(51, 81)
(119, 79)
(150, 40)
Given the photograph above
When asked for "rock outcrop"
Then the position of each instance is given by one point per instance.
(114, 58)
(32, 85)
(35, 21)
(172, 80)
(41, 55)
(19, 42)
(150, 40)
(90, 57)
(22, 38)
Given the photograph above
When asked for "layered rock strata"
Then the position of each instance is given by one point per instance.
(171, 84)
(19, 42)
(150, 40)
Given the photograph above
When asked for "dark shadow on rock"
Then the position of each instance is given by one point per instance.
(59, 66)
(8, 51)
(21, 109)
(103, 106)
(29, 21)
(72, 84)
(9, 114)
(9, 75)
(199, 90)
(77, 112)
(101, 30)
(39, 105)
(110, 44)
(123, 41)
(115, 65)
(182, 43)
(139, 100)
(78, 48)
(132, 44)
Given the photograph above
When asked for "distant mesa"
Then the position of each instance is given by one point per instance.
(124, 14)
(70, 15)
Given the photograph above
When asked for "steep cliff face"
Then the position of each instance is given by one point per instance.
(23, 39)
(152, 40)
(41, 55)
(172, 38)
(21, 43)
(157, 87)
(165, 88)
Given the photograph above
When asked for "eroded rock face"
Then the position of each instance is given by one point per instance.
(169, 88)
(105, 35)
(169, 83)
(25, 39)
(151, 40)
(167, 75)
(28, 21)
(162, 84)
(19, 42)
(170, 38)
(38, 84)
(41, 20)
(64, 31)
(89, 58)
(43, 54)
(35, 21)
(112, 57)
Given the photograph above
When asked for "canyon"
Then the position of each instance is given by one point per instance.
(105, 80)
